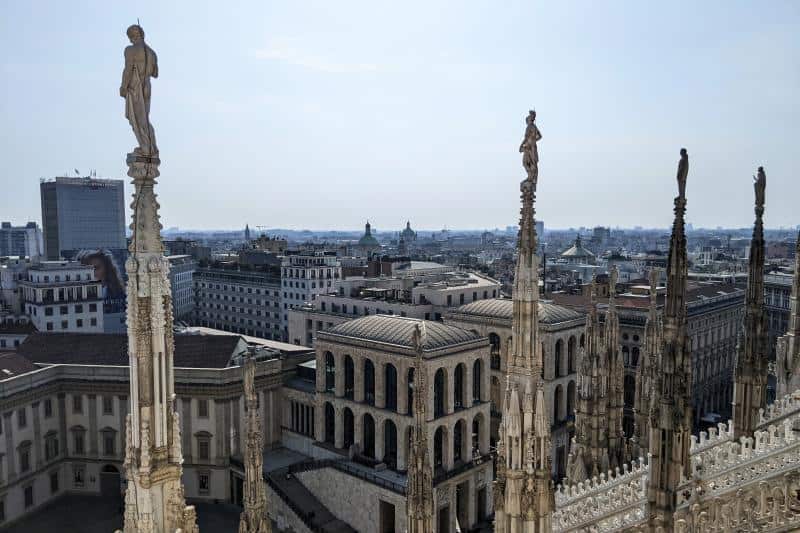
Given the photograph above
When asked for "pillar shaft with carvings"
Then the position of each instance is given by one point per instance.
(254, 517)
(645, 379)
(750, 373)
(419, 492)
(671, 414)
(523, 490)
(154, 500)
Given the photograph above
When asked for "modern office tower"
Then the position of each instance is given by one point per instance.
(21, 241)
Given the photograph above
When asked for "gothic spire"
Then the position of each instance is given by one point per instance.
(788, 351)
(671, 414)
(254, 517)
(523, 489)
(616, 375)
(750, 374)
(419, 497)
(648, 363)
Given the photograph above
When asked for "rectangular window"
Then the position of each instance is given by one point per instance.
(77, 403)
(92, 308)
(63, 310)
(203, 451)
(24, 459)
(49, 326)
(50, 448)
(93, 321)
(108, 443)
(64, 324)
(79, 443)
(203, 482)
(48, 311)
(53, 482)
(108, 405)
(22, 419)
(79, 323)
(48, 408)
(202, 408)
(79, 308)
(78, 475)
(28, 496)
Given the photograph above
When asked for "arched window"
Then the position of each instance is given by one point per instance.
(477, 379)
(494, 350)
(368, 440)
(390, 383)
(458, 387)
(438, 393)
(583, 340)
(349, 377)
(330, 372)
(557, 363)
(410, 406)
(571, 355)
(635, 357)
(458, 441)
(571, 399)
(390, 444)
(330, 424)
(629, 390)
(626, 356)
(349, 429)
(557, 404)
(438, 447)
(369, 382)
(477, 429)
(496, 396)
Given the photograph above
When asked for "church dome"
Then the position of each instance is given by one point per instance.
(577, 251)
(368, 241)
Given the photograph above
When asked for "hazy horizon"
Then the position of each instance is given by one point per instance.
(315, 114)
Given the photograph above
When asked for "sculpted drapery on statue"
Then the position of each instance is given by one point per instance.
(141, 64)
(528, 148)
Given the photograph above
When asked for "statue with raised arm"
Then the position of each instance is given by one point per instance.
(528, 149)
(760, 183)
(141, 64)
(683, 171)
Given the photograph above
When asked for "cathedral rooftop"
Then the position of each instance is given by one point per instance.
(503, 308)
(399, 331)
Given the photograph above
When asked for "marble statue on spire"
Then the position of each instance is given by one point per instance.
(254, 517)
(154, 499)
(671, 405)
(523, 489)
(141, 64)
(528, 148)
(752, 358)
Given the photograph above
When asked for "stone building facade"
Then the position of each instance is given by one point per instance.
(561, 332)
(239, 301)
(63, 417)
(364, 391)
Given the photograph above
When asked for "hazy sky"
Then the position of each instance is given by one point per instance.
(323, 114)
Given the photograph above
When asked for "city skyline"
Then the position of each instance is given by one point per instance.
(317, 131)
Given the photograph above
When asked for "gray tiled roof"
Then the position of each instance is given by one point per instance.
(396, 330)
(503, 308)
(191, 351)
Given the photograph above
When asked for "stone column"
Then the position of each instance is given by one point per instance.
(380, 385)
(321, 371)
(339, 381)
(236, 414)
(220, 413)
(186, 429)
(484, 433)
(449, 388)
(62, 422)
(93, 434)
(358, 429)
(339, 428)
(379, 444)
(447, 456)
(402, 389)
(402, 445)
(37, 436)
(486, 377)
(358, 379)
(122, 412)
(10, 451)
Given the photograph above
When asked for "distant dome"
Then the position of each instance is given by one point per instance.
(408, 234)
(368, 241)
(577, 251)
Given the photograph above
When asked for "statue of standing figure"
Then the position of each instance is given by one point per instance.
(683, 172)
(141, 64)
(528, 149)
(760, 184)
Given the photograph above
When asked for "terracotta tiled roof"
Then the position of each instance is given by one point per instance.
(192, 351)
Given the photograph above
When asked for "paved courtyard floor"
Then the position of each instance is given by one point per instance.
(92, 514)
